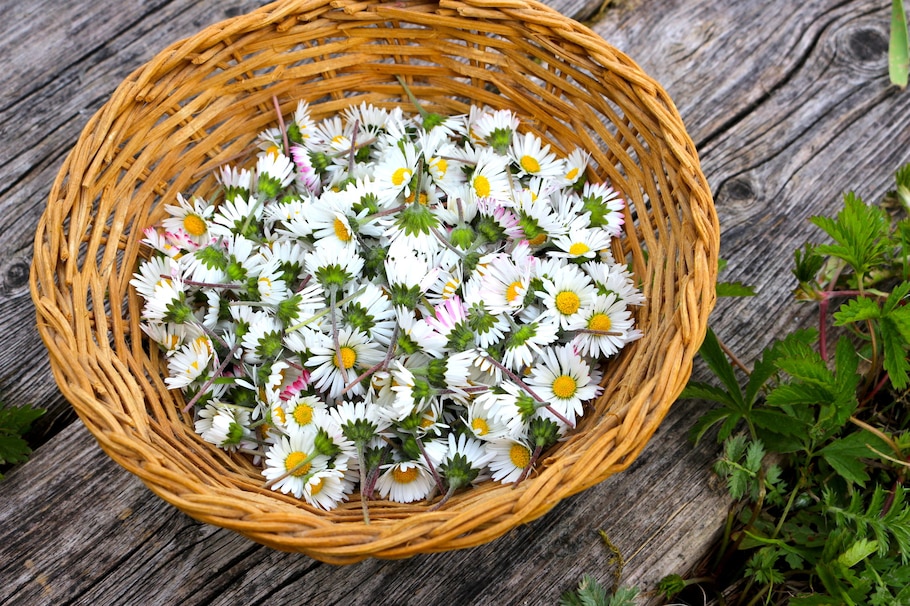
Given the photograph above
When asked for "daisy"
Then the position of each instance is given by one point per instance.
(416, 335)
(335, 267)
(307, 176)
(263, 339)
(291, 461)
(334, 368)
(504, 284)
(395, 172)
(496, 128)
(237, 183)
(489, 179)
(239, 215)
(326, 488)
(537, 219)
(567, 295)
(371, 312)
(614, 278)
(484, 417)
(605, 206)
(564, 380)
(464, 460)
(223, 425)
(575, 165)
(405, 482)
(190, 217)
(510, 459)
(297, 413)
(606, 327)
(188, 363)
(525, 341)
(409, 276)
(275, 172)
(534, 158)
(330, 222)
(581, 244)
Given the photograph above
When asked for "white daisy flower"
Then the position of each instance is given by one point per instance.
(190, 217)
(298, 413)
(510, 458)
(532, 157)
(567, 295)
(537, 219)
(416, 335)
(496, 128)
(334, 266)
(524, 342)
(490, 178)
(605, 206)
(189, 363)
(575, 166)
(326, 488)
(334, 369)
(292, 460)
(371, 313)
(236, 182)
(263, 340)
(239, 215)
(564, 380)
(582, 243)
(614, 278)
(606, 327)
(484, 418)
(405, 482)
(223, 425)
(395, 171)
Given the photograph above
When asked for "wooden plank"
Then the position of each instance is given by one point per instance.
(789, 105)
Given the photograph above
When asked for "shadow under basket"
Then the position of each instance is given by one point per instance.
(200, 104)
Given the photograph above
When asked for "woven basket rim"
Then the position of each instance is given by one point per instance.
(76, 278)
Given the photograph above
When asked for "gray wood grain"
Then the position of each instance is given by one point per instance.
(789, 105)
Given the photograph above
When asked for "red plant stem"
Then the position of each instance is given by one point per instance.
(284, 131)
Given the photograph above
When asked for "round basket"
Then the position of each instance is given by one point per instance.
(200, 104)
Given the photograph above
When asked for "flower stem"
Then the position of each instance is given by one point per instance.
(211, 380)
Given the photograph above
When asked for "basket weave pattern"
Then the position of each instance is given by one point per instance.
(200, 103)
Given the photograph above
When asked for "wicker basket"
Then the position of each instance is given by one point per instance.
(200, 104)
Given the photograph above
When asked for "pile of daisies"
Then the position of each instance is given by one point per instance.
(400, 305)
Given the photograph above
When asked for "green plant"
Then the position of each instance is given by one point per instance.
(14, 422)
(591, 593)
(815, 437)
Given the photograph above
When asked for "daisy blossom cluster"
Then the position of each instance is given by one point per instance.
(404, 305)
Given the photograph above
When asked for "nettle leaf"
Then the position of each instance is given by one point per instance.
(846, 455)
(894, 348)
(859, 309)
(860, 233)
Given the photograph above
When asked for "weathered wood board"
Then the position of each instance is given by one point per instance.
(789, 105)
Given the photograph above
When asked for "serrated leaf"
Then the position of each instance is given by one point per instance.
(13, 449)
(778, 422)
(734, 289)
(717, 361)
(896, 296)
(859, 232)
(18, 419)
(857, 552)
(859, 309)
(696, 390)
(894, 348)
(706, 422)
(798, 394)
(846, 455)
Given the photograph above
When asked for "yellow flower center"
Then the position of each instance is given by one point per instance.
(482, 186)
(538, 239)
(279, 413)
(441, 167)
(194, 225)
(272, 151)
(579, 248)
(512, 291)
(401, 176)
(348, 357)
(600, 321)
(404, 476)
(480, 426)
(339, 139)
(294, 464)
(530, 164)
(316, 487)
(572, 173)
(303, 414)
(519, 455)
(341, 230)
(567, 302)
(564, 387)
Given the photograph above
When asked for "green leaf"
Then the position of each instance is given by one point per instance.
(859, 309)
(846, 455)
(860, 233)
(734, 289)
(14, 422)
(704, 391)
(720, 365)
(894, 348)
(899, 46)
(859, 551)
